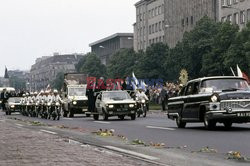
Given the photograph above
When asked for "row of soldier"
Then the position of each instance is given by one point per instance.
(44, 103)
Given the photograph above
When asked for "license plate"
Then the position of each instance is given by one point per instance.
(243, 114)
(122, 109)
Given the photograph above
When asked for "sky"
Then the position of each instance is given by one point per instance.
(34, 28)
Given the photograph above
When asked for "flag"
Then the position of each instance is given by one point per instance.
(135, 79)
(239, 72)
(242, 74)
(6, 75)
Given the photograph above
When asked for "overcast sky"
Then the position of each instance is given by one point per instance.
(33, 28)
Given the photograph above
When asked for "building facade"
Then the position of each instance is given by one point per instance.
(44, 71)
(106, 47)
(179, 16)
(149, 26)
(235, 11)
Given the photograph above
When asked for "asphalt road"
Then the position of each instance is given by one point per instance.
(158, 129)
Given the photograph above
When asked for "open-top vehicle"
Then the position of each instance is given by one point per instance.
(222, 99)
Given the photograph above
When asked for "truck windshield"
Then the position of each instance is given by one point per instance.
(116, 95)
(77, 91)
(224, 85)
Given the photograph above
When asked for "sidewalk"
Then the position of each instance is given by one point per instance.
(24, 147)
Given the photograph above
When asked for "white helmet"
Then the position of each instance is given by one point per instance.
(55, 91)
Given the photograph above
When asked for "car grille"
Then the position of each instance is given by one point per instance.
(245, 105)
(121, 105)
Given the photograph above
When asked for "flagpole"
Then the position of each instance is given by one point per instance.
(232, 71)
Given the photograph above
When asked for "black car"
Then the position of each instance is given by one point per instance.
(223, 99)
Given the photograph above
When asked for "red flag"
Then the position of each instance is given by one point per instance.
(244, 75)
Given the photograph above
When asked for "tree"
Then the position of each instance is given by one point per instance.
(213, 62)
(93, 66)
(17, 83)
(151, 63)
(58, 81)
(122, 63)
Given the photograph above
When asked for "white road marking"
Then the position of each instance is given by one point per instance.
(74, 142)
(50, 132)
(248, 123)
(19, 125)
(68, 118)
(162, 128)
(131, 153)
(102, 122)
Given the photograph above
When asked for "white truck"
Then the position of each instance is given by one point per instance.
(74, 94)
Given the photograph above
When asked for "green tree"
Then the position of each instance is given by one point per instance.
(58, 81)
(17, 83)
(93, 66)
(122, 63)
(239, 51)
(151, 63)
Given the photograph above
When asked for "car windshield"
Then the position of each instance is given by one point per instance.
(116, 95)
(224, 85)
(77, 91)
(14, 99)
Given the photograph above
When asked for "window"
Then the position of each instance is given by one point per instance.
(248, 15)
(153, 13)
(242, 17)
(235, 1)
(156, 27)
(223, 19)
(156, 11)
(187, 21)
(159, 26)
(192, 20)
(153, 28)
(229, 18)
(149, 29)
(223, 3)
(182, 22)
(236, 18)
(229, 2)
(163, 25)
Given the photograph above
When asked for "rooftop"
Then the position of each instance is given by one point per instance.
(111, 37)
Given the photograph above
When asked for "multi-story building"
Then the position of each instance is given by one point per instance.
(106, 47)
(44, 71)
(149, 26)
(235, 11)
(169, 23)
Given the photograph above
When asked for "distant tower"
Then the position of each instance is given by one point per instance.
(6, 80)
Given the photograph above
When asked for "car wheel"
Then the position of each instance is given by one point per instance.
(96, 116)
(227, 125)
(105, 116)
(209, 124)
(121, 117)
(133, 116)
(71, 113)
(180, 123)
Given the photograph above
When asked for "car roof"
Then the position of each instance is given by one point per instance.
(215, 77)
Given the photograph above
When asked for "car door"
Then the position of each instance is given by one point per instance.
(98, 102)
(186, 112)
(194, 101)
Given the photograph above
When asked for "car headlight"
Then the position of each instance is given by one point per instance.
(0, 102)
(49, 104)
(215, 98)
(131, 105)
(111, 106)
(57, 104)
(74, 102)
(12, 106)
(143, 101)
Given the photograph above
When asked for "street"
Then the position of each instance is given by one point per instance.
(156, 128)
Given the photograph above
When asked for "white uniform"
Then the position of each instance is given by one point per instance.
(141, 96)
(56, 98)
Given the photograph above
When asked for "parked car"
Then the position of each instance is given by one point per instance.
(222, 99)
(115, 103)
(13, 105)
